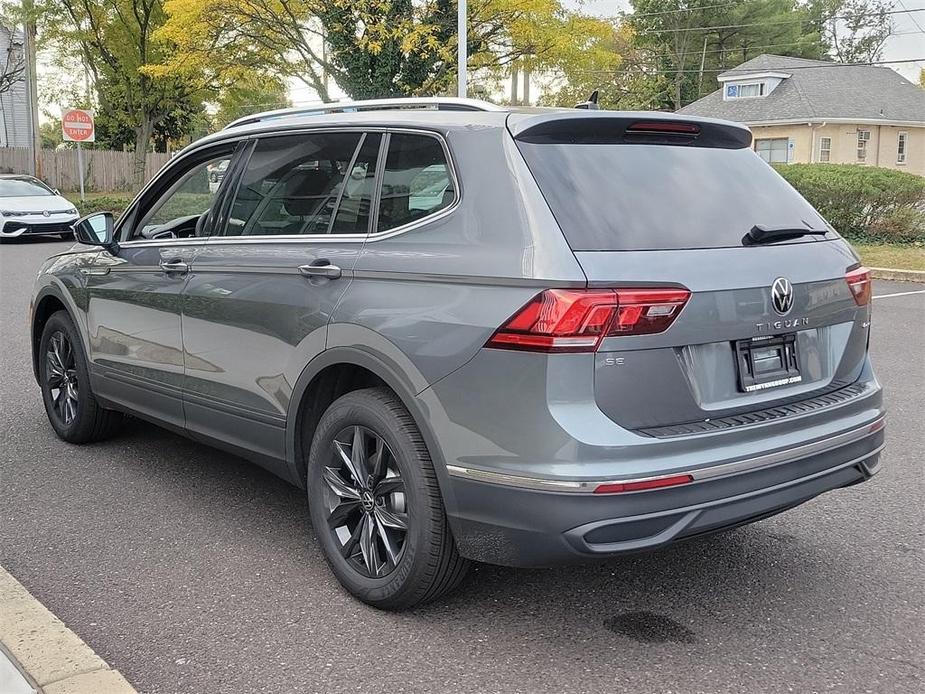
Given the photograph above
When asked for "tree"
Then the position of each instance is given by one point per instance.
(116, 44)
(370, 48)
(689, 42)
(12, 60)
(854, 30)
(249, 96)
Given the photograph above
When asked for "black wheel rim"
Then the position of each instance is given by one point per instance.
(365, 502)
(61, 377)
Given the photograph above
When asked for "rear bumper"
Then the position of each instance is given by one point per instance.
(522, 521)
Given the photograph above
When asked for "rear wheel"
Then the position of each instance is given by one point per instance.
(375, 504)
(72, 411)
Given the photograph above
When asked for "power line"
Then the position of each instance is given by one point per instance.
(749, 24)
(914, 20)
(750, 49)
(745, 73)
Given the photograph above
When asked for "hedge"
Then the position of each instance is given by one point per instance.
(863, 203)
(107, 203)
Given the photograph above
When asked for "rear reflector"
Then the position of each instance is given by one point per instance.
(642, 485)
(859, 283)
(576, 320)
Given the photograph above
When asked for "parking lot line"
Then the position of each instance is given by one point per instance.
(890, 296)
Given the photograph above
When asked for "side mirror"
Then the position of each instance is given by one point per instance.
(96, 230)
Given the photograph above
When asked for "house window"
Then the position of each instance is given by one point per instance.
(773, 151)
(744, 91)
(901, 147)
(863, 140)
(825, 149)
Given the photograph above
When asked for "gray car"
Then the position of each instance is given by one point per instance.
(470, 333)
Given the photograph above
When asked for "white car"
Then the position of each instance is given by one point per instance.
(30, 208)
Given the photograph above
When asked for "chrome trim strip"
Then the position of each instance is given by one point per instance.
(699, 474)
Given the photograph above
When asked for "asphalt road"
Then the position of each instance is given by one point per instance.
(192, 571)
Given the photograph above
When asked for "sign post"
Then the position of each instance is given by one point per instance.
(77, 126)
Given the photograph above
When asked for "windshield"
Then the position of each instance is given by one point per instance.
(654, 197)
(22, 187)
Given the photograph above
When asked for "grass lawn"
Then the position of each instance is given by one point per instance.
(74, 195)
(888, 255)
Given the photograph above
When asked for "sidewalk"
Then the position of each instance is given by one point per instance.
(40, 655)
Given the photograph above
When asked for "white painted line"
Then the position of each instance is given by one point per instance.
(890, 296)
(52, 655)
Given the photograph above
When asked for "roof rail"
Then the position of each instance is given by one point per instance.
(433, 103)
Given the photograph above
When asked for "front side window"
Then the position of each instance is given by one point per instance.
(181, 211)
(416, 181)
(863, 139)
(292, 184)
(773, 150)
(901, 140)
(825, 149)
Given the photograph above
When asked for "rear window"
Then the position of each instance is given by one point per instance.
(626, 197)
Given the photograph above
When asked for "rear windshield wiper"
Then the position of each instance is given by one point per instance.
(763, 234)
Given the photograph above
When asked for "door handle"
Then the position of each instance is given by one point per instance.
(321, 268)
(174, 267)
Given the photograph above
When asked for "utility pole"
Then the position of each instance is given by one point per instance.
(463, 48)
(35, 143)
(515, 74)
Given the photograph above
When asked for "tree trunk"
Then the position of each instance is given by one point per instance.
(143, 135)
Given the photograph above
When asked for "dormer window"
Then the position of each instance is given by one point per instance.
(745, 90)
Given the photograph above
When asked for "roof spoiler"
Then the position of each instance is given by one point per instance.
(615, 127)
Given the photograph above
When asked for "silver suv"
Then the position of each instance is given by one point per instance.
(470, 333)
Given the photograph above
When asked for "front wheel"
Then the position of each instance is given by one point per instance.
(375, 504)
(72, 411)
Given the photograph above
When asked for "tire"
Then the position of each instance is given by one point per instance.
(372, 557)
(72, 410)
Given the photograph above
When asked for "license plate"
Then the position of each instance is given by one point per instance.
(767, 362)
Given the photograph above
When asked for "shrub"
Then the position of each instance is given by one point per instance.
(863, 202)
(106, 203)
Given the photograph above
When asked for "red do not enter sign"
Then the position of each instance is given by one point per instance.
(77, 125)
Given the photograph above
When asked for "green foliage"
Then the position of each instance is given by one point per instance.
(669, 37)
(107, 203)
(863, 202)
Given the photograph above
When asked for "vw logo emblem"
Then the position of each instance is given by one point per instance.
(46, 213)
(782, 295)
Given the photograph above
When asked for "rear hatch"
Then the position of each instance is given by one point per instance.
(666, 202)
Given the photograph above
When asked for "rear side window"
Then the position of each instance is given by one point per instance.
(292, 185)
(654, 197)
(416, 181)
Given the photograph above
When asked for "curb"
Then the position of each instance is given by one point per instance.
(49, 657)
(887, 273)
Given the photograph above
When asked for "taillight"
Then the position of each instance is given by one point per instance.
(576, 320)
(859, 283)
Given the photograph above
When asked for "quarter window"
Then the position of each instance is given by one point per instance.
(292, 185)
(863, 140)
(901, 140)
(416, 181)
(773, 151)
(825, 149)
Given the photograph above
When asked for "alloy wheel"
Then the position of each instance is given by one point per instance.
(61, 377)
(366, 506)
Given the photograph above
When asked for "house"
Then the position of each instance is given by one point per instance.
(803, 110)
(14, 103)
